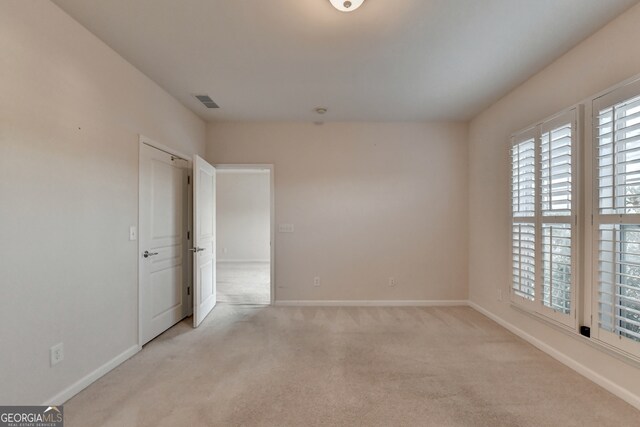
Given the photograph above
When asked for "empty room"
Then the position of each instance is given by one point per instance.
(320, 213)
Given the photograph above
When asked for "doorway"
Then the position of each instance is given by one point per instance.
(164, 263)
(177, 236)
(244, 204)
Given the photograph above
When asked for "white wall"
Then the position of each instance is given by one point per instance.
(608, 57)
(368, 201)
(70, 113)
(243, 215)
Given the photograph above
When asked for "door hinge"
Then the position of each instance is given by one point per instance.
(591, 219)
(188, 235)
(188, 290)
(188, 179)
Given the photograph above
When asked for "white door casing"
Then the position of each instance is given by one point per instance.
(162, 234)
(204, 239)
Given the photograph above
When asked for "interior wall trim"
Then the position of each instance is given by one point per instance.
(586, 372)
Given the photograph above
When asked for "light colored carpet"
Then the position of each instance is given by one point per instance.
(289, 366)
(244, 283)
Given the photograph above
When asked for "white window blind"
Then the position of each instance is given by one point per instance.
(523, 208)
(557, 267)
(543, 214)
(556, 170)
(524, 264)
(523, 178)
(619, 158)
(556, 188)
(619, 293)
(617, 217)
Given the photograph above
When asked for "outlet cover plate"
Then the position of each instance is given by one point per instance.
(56, 354)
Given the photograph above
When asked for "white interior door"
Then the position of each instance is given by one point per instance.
(163, 224)
(204, 229)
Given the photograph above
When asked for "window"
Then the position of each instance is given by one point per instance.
(616, 218)
(556, 185)
(543, 216)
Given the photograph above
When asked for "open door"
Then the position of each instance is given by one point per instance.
(204, 242)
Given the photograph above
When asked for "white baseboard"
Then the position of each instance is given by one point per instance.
(240, 261)
(87, 380)
(603, 382)
(371, 303)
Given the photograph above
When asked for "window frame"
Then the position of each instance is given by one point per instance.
(619, 93)
(573, 116)
(585, 196)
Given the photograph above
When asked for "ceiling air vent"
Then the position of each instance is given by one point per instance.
(207, 101)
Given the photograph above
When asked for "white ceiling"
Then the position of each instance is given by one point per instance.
(389, 60)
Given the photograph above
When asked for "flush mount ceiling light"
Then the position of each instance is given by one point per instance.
(346, 5)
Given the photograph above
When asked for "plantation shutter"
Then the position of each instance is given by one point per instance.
(617, 217)
(543, 215)
(523, 191)
(557, 139)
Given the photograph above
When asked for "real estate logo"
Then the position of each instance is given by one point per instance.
(31, 416)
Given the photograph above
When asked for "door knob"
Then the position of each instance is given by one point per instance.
(147, 254)
(196, 249)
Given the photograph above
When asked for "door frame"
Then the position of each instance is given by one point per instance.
(142, 141)
(272, 198)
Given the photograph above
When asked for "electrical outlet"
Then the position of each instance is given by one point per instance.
(56, 353)
(316, 281)
(392, 281)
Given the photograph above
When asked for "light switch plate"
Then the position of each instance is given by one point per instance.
(286, 228)
(56, 354)
(133, 233)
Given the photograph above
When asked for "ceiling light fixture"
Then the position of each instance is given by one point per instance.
(346, 5)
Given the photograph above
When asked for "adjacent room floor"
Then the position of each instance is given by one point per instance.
(244, 283)
(289, 366)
